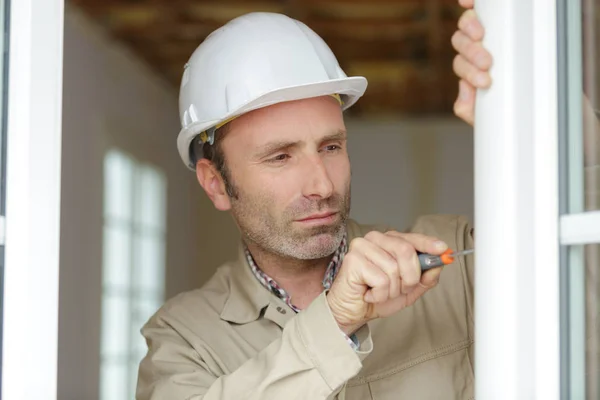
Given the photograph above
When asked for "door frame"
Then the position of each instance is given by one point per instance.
(30, 320)
(517, 268)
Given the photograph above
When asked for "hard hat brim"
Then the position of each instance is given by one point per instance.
(351, 89)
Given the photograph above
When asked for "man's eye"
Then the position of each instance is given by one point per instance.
(279, 158)
(333, 147)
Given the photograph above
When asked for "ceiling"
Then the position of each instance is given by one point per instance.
(401, 46)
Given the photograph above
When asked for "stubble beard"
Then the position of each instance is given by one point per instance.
(281, 236)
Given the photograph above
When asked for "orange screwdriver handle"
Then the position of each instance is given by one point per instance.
(429, 261)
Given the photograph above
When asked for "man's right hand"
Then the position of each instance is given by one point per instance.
(381, 275)
(472, 64)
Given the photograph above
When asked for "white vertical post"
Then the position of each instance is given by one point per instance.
(545, 164)
(516, 205)
(33, 200)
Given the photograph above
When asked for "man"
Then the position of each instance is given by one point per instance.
(316, 306)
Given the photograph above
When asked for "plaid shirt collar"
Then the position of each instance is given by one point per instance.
(330, 273)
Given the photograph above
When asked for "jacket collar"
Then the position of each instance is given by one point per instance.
(247, 298)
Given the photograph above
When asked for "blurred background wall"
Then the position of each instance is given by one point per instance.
(122, 65)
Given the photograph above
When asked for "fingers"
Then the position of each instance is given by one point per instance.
(404, 255)
(432, 277)
(376, 257)
(389, 266)
(466, 3)
(429, 280)
(471, 64)
(470, 73)
(380, 275)
(464, 106)
(471, 78)
(374, 277)
(470, 25)
(472, 51)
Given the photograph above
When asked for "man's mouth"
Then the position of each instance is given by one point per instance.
(317, 218)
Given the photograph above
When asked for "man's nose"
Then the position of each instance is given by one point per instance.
(318, 184)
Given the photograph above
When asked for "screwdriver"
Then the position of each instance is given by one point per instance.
(429, 261)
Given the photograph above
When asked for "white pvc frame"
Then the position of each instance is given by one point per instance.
(583, 228)
(516, 205)
(30, 337)
(516, 164)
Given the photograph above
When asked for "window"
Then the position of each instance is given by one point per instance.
(31, 74)
(580, 197)
(133, 267)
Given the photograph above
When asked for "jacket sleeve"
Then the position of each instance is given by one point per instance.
(311, 360)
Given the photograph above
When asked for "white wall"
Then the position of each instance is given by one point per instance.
(403, 168)
(400, 169)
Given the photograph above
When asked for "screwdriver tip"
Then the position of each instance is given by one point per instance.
(462, 253)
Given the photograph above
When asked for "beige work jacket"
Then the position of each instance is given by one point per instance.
(233, 339)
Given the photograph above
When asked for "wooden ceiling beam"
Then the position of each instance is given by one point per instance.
(401, 46)
(218, 11)
(337, 10)
(374, 29)
(363, 10)
(436, 44)
(373, 50)
(167, 32)
(340, 34)
(347, 52)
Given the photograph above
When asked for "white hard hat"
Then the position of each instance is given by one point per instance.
(254, 61)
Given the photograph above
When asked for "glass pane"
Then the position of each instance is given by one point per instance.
(142, 310)
(133, 373)
(591, 105)
(115, 326)
(134, 267)
(592, 320)
(116, 256)
(151, 198)
(579, 107)
(149, 271)
(114, 381)
(118, 185)
(592, 187)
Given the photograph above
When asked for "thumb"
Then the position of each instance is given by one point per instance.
(430, 278)
(464, 107)
(422, 243)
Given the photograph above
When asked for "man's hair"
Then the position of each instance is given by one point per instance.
(214, 154)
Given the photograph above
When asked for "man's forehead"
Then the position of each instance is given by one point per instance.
(311, 117)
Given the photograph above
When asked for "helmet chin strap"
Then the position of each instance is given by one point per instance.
(208, 136)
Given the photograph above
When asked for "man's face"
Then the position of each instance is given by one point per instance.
(290, 167)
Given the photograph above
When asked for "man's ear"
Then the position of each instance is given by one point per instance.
(212, 182)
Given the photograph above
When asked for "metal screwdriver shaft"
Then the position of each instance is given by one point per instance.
(429, 261)
(462, 253)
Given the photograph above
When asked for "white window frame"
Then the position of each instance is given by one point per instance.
(30, 337)
(581, 228)
(516, 205)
